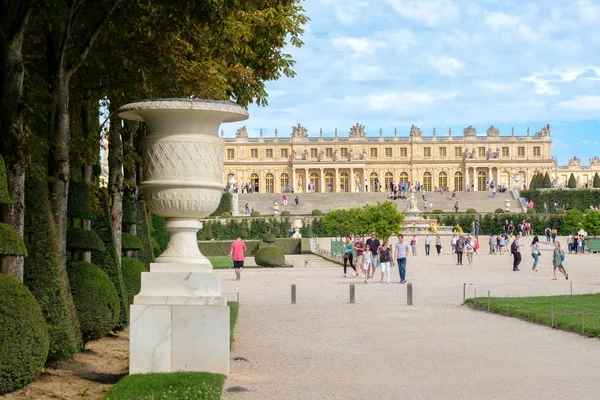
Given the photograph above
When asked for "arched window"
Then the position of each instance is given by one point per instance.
(284, 180)
(329, 184)
(481, 178)
(344, 182)
(314, 179)
(505, 179)
(269, 183)
(404, 178)
(458, 181)
(427, 181)
(374, 182)
(254, 182)
(388, 178)
(443, 180)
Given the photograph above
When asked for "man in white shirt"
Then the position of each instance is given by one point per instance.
(400, 254)
(453, 243)
(427, 245)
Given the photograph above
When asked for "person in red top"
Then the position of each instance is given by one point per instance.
(284, 197)
(237, 255)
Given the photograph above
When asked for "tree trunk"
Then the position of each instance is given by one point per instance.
(130, 172)
(88, 156)
(115, 177)
(59, 164)
(12, 144)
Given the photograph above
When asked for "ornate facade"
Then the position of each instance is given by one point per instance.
(348, 163)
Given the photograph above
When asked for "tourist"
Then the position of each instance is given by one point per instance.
(460, 248)
(427, 244)
(548, 233)
(492, 242)
(515, 249)
(470, 249)
(553, 233)
(453, 243)
(582, 244)
(535, 252)
(285, 200)
(558, 257)
(476, 245)
(413, 245)
(373, 246)
(502, 243)
(575, 243)
(236, 254)
(359, 246)
(348, 256)
(438, 244)
(385, 261)
(297, 200)
(570, 243)
(400, 254)
(456, 206)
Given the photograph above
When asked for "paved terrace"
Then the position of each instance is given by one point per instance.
(379, 348)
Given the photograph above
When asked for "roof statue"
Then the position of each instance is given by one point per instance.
(299, 131)
(469, 131)
(545, 131)
(575, 162)
(276, 134)
(493, 131)
(261, 133)
(222, 133)
(594, 161)
(321, 133)
(433, 131)
(335, 132)
(357, 131)
(415, 131)
(512, 131)
(380, 132)
(449, 131)
(241, 132)
(528, 132)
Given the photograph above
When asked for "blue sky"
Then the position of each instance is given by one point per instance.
(445, 64)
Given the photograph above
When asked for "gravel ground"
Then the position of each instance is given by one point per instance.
(380, 348)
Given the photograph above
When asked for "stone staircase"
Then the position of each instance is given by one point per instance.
(480, 201)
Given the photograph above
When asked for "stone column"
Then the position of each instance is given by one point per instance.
(306, 182)
(336, 181)
(351, 183)
(467, 184)
(489, 177)
(322, 182)
(362, 179)
(294, 188)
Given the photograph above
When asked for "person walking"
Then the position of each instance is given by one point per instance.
(400, 254)
(427, 244)
(367, 263)
(470, 249)
(385, 261)
(453, 243)
(359, 246)
(373, 245)
(236, 254)
(297, 200)
(413, 245)
(535, 252)
(492, 242)
(460, 248)
(515, 249)
(558, 257)
(553, 233)
(438, 244)
(548, 233)
(570, 243)
(285, 200)
(502, 243)
(348, 256)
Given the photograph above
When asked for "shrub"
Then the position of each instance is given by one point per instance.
(255, 214)
(79, 239)
(499, 211)
(596, 182)
(130, 242)
(4, 196)
(23, 335)
(155, 247)
(531, 211)
(316, 213)
(437, 211)
(547, 183)
(269, 238)
(276, 231)
(132, 276)
(147, 253)
(11, 243)
(471, 211)
(127, 212)
(270, 256)
(96, 300)
(79, 202)
(572, 184)
(577, 199)
(226, 214)
(225, 205)
(159, 233)
(285, 213)
(45, 275)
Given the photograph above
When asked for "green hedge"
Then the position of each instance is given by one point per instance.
(269, 256)
(222, 248)
(159, 233)
(79, 201)
(45, 275)
(96, 300)
(79, 239)
(23, 336)
(132, 276)
(305, 246)
(146, 254)
(4, 196)
(128, 218)
(225, 205)
(494, 223)
(130, 242)
(579, 199)
(248, 229)
(269, 238)
(155, 247)
(108, 260)
(11, 243)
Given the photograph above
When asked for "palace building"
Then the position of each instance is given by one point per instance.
(347, 164)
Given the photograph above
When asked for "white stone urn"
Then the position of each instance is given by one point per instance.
(517, 179)
(180, 320)
(507, 205)
(297, 225)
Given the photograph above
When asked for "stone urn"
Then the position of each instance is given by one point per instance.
(507, 205)
(517, 179)
(297, 225)
(180, 320)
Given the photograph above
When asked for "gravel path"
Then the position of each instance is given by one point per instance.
(379, 348)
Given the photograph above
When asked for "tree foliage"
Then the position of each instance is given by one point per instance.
(573, 220)
(547, 183)
(596, 182)
(572, 184)
(591, 223)
(382, 218)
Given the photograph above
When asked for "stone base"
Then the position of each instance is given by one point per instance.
(179, 338)
(235, 208)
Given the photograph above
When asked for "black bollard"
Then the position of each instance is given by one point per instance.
(352, 293)
(294, 293)
(409, 294)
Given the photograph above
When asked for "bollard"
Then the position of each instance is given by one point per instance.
(464, 292)
(352, 293)
(306, 263)
(294, 293)
(409, 294)
(571, 288)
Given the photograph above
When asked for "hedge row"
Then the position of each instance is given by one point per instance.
(579, 199)
(146, 254)
(494, 223)
(225, 205)
(255, 228)
(159, 233)
(222, 248)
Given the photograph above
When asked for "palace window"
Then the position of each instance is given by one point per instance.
(458, 152)
(344, 152)
(505, 152)
(388, 152)
(481, 151)
(329, 152)
(442, 152)
(426, 151)
(253, 153)
(284, 153)
(230, 154)
(314, 153)
(537, 151)
(403, 152)
(521, 151)
(373, 152)
(269, 153)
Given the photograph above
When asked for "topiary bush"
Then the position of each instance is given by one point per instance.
(226, 214)
(270, 256)
(130, 242)
(155, 247)
(437, 211)
(225, 205)
(269, 238)
(96, 300)
(572, 183)
(79, 239)
(24, 339)
(531, 211)
(499, 211)
(317, 213)
(79, 202)
(285, 213)
(255, 214)
(471, 211)
(146, 254)
(596, 181)
(11, 243)
(132, 276)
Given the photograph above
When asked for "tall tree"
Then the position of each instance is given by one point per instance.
(14, 17)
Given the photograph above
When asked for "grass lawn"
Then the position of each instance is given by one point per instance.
(177, 385)
(226, 263)
(578, 313)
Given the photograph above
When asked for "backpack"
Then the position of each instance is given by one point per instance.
(562, 255)
(513, 247)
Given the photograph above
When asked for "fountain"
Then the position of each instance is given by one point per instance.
(414, 223)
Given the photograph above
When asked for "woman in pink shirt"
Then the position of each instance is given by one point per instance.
(237, 255)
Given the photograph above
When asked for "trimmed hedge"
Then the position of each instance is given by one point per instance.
(596, 182)
(471, 211)
(130, 242)
(132, 276)
(269, 256)
(499, 211)
(142, 229)
(572, 183)
(96, 300)
(108, 260)
(155, 247)
(579, 199)
(285, 213)
(255, 214)
(127, 212)
(225, 205)
(316, 213)
(226, 214)
(79, 239)
(11, 243)
(79, 201)
(24, 339)
(494, 223)
(269, 238)
(45, 275)
(221, 248)
(305, 246)
(255, 228)
(4, 196)
(159, 233)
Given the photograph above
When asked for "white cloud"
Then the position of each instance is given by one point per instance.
(446, 65)
(396, 100)
(581, 103)
(546, 82)
(499, 87)
(357, 46)
(426, 12)
(366, 72)
(498, 20)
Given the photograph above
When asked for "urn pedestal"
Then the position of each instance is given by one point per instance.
(180, 320)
